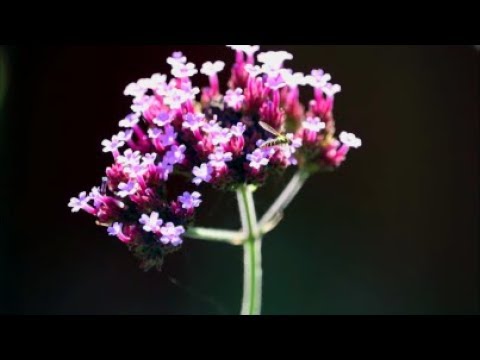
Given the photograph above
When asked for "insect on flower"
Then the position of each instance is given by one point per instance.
(280, 139)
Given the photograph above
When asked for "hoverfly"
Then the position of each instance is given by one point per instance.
(280, 139)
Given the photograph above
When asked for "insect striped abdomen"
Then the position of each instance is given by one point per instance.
(275, 142)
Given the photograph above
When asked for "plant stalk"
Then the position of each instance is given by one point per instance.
(252, 278)
(215, 235)
(283, 201)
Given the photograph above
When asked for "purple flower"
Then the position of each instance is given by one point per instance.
(202, 174)
(289, 151)
(190, 201)
(129, 157)
(171, 234)
(162, 119)
(193, 121)
(318, 79)
(182, 71)
(175, 155)
(234, 98)
(221, 137)
(151, 223)
(154, 133)
(258, 159)
(238, 130)
(127, 189)
(219, 158)
(164, 169)
(115, 229)
(169, 136)
(313, 124)
(113, 145)
(210, 68)
(176, 58)
(350, 140)
(96, 196)
(296, 142)
(79, 203)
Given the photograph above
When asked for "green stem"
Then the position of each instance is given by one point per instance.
(226, 236)
(285, 198)
(252, 278)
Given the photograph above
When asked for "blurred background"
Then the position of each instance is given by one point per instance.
(394, 231)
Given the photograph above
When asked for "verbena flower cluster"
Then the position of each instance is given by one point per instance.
(177, 138)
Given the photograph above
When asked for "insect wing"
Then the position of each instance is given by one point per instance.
(268, 128)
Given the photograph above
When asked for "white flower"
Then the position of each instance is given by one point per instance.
(350, 140)
(210, 68)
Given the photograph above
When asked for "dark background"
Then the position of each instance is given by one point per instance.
(394, 231)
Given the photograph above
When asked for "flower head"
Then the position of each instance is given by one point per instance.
(234, 98)
(274, 59)
(314, 124)
(130, 121)
(318, 79)
(152, 222)
(168, 136)
(294, 80)
(175, 155)
(258, 159)
(149, 159)
(350, 140)
(173, 138)
(202, 173)
(249, 50)
(135, 90)
(238, 130)
(331, 90)
(210, 68)
(190, 201)
(79, 203)
(125, 135)
(253, 70)
(176, 59)
(115, 229)
(275, 80)
(171, 234)
(219, 158)
(193, 121)
(112, 145)
(180, 70)
(129, 158)
(127, 189)
(163, 118)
